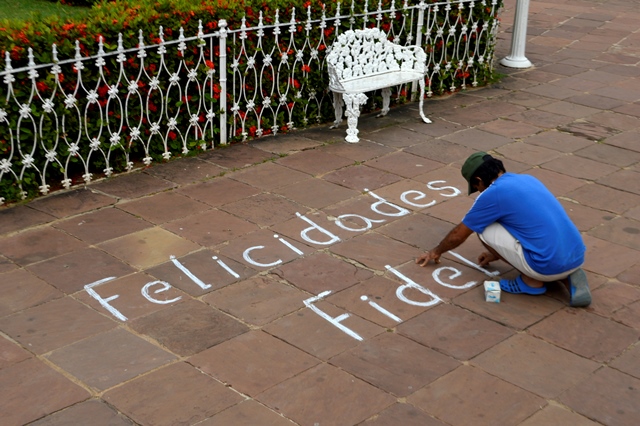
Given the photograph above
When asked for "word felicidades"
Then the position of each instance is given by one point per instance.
(318, 235)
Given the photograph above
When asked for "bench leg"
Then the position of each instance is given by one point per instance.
(386, 100)
(337, 107)
(424, 117)
(353, 102)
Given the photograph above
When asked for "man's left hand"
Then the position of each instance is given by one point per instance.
(426, 257)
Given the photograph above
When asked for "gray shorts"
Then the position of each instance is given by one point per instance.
(498, 238)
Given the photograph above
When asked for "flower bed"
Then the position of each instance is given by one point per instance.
(144, 81)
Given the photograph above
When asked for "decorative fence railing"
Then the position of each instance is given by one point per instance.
(63, 122)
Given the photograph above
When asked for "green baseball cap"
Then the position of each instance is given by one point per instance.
(470, 166)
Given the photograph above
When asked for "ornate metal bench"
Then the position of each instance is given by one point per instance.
(365, 60)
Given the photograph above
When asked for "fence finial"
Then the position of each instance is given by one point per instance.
(7, 59)
(276, 30)
(78, 63)
(33, 74)
(292, 26)
(222, 24)
(182, 46)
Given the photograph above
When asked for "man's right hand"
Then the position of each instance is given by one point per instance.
(486, 258)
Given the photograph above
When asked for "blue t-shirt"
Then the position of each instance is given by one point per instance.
(524, 206)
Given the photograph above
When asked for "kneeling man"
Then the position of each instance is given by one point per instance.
(519, 221)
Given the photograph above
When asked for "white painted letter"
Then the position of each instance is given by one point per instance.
(455, 274)
(246, 257)
(411, 284)
(335, 321)
(304, 233)
(189, 274)
(420, 196)
(478, 267)
(455, 190)
(368, 222)
(105, 302)
(226, 267)
(288, 244)
(381, 309)
(401, 211)
(165, 286)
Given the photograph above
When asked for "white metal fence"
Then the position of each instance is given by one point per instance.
(72, 120)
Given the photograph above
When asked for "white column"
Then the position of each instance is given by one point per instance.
(516, 58)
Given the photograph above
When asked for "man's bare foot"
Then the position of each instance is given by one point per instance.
(532, 282)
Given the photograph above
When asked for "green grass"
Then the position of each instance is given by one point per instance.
(20, 10)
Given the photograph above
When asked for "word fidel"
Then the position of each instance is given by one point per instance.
(411, 198)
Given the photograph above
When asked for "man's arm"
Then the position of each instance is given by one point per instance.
(454, 238)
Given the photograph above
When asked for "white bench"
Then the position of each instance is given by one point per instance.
(363, 61)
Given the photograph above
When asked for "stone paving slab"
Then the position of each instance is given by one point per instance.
(462, 396)
(31, 389)
(274, 282)
(179, 393)
(105, 360)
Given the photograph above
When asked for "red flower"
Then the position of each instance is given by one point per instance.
(41, 86)
(209, 64)
(172, 135)
(294, 82)
(22, 37)
(15, 52)
(306, 68)
(252, 130)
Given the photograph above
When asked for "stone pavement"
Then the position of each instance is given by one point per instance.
(212, 290)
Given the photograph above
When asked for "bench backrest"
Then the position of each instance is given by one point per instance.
(361, 53)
